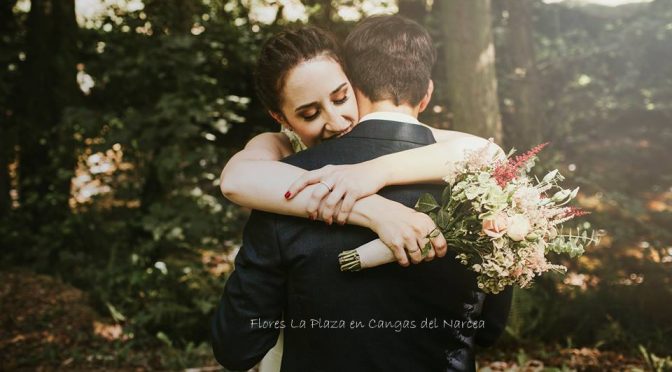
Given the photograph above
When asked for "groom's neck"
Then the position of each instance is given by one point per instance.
(368, 107)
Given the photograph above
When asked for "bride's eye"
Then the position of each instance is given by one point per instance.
(310, 117)
(342, 100)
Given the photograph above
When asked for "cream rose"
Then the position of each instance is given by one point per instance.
(495, 226)
(518, 227)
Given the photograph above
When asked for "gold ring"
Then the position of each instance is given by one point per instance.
(330, 188)
(413, 251)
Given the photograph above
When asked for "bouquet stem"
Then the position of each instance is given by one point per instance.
(371, 254)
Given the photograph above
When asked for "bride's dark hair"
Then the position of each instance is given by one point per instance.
(284, 51)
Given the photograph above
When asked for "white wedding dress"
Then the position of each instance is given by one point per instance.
(273, 359)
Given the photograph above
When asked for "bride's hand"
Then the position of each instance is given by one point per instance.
(406, 232)
(343, 185)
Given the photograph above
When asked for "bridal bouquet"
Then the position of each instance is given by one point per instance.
(499, 220)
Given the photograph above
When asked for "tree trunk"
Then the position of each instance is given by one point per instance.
(413, 9)
(5, 150)
(175, 17)
(48, 86)
(324, 15)
(522, 111)
(5, 200)
(469, 63)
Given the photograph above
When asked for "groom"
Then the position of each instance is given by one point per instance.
(426, 317)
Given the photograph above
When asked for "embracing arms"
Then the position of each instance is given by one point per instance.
(431, 163)
(255, 178)
(427, 164)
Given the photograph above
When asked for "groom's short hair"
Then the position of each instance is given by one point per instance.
(389, 57)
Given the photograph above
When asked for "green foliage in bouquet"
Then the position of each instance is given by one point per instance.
(501, 223)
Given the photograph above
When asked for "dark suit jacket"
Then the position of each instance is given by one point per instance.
(287, 277)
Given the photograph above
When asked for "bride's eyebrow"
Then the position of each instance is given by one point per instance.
(305, 106)
(338, 89)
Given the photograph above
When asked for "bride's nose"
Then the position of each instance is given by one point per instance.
(336, 122)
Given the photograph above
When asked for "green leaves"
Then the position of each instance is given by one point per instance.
(443, 218)
(116, 314)
(573, 244)
(446, 195)
(426, 203)
(426, 249)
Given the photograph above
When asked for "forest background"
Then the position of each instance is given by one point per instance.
(116, 117)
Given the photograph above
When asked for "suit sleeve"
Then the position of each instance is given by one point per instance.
(495, 313)
(254, 293)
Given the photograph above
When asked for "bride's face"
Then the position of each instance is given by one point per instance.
(318, 101)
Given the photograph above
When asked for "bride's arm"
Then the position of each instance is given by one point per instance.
(241, 175)
(432, 163)
(427, 164)
(254, 178)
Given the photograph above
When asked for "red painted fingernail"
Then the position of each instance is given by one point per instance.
(288, 194)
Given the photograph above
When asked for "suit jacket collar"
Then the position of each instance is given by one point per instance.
(392, 131)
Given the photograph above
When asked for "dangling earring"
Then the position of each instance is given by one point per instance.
(294, 139)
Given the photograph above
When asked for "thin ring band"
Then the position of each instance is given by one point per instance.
(413, 250)
(327, 186)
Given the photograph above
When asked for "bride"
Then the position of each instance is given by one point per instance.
(302, 82)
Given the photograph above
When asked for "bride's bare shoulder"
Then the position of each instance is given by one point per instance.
(275, 142)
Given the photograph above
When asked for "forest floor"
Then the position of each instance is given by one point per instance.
(47, 325)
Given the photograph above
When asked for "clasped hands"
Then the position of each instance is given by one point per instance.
(410, 235)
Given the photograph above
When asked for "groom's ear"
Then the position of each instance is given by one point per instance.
(427, 98)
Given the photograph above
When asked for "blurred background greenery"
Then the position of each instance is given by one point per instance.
(118, 115)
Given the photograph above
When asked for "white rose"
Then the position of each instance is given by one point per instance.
(518, 227)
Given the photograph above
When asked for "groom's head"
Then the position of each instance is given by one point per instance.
(390, 58)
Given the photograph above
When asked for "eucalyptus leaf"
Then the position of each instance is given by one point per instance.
(550, 176)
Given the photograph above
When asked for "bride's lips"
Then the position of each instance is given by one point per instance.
(343, 133)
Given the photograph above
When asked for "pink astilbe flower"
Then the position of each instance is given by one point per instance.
(575, 212)
(567, 214)
(509, 170)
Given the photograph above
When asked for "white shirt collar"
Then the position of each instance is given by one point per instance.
(391, 116)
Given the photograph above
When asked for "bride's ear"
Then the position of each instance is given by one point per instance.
(280, 118)
(428, 97)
